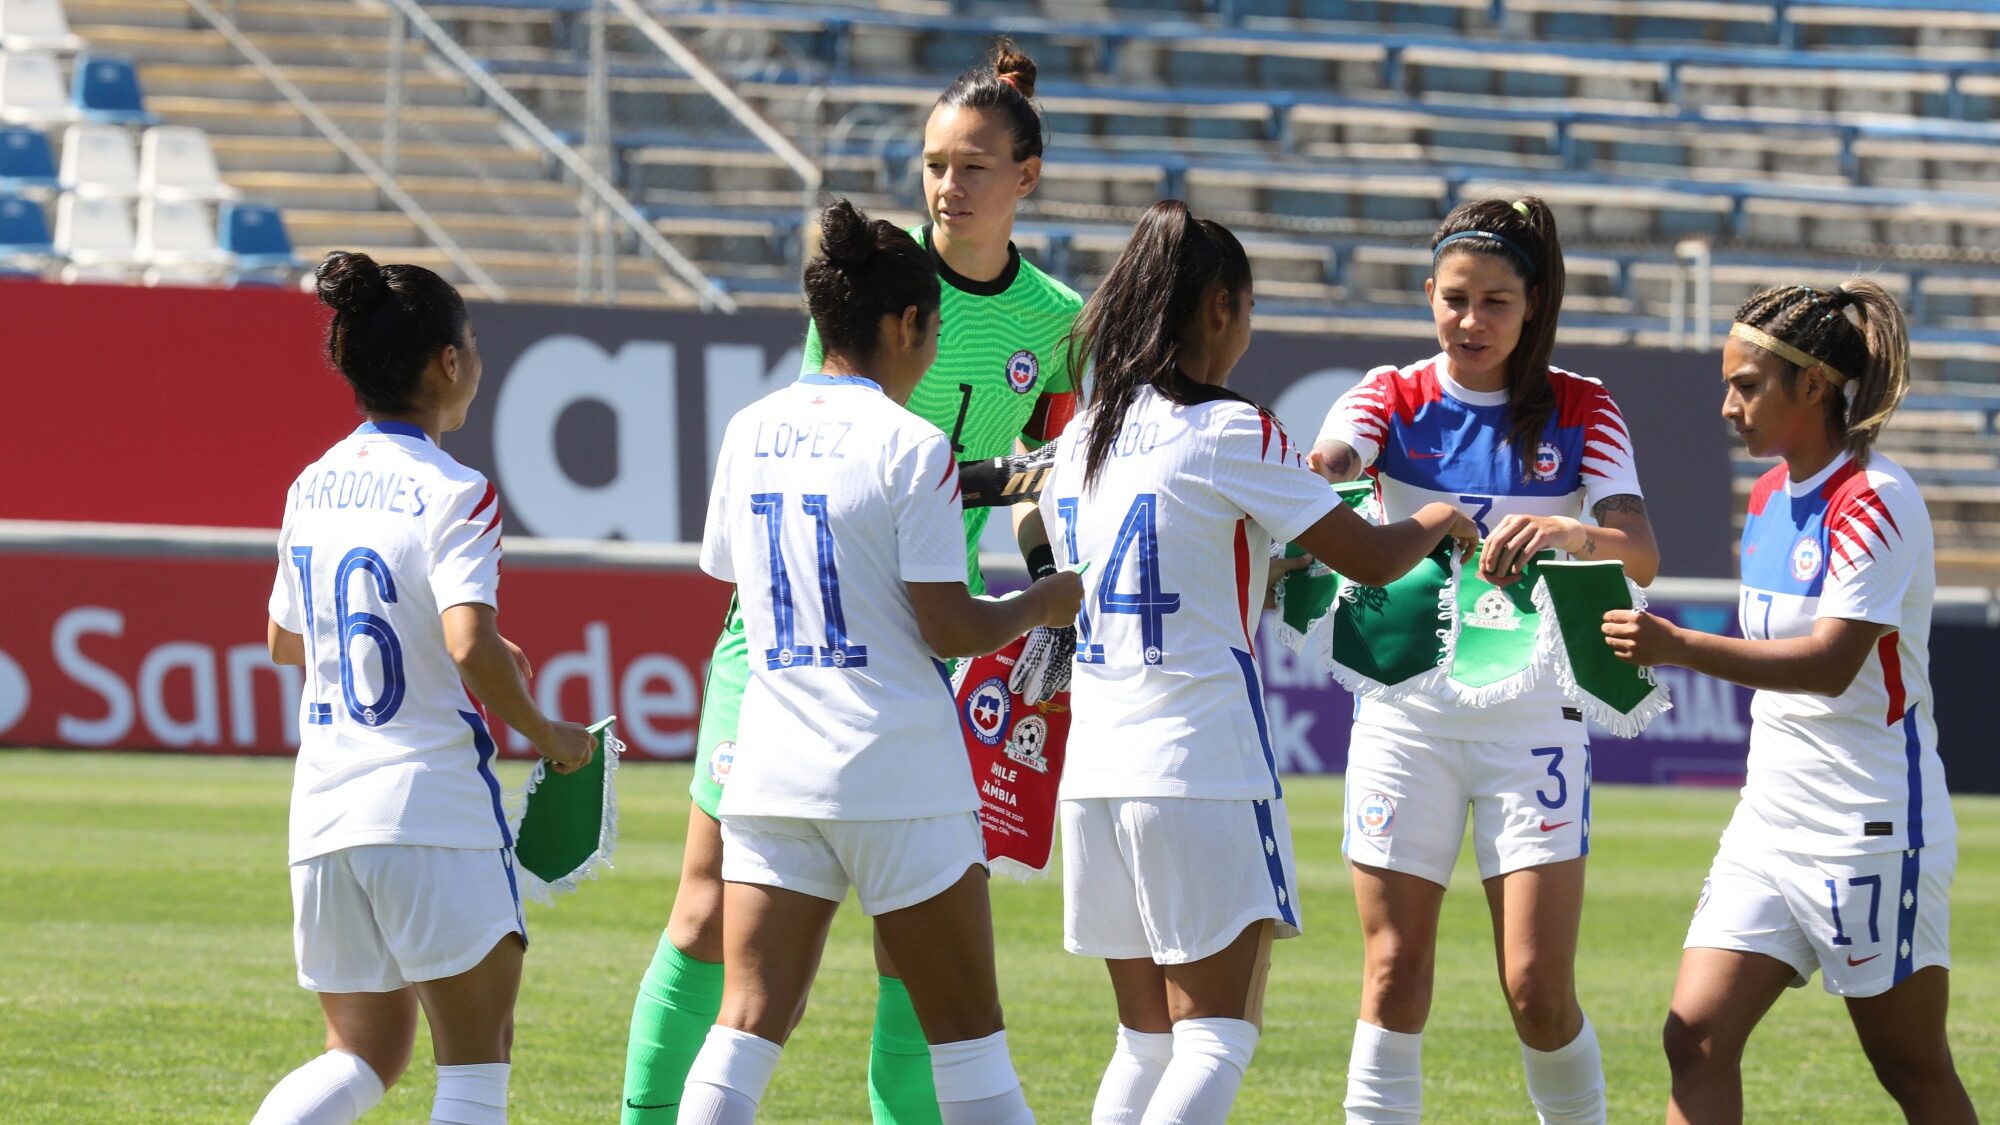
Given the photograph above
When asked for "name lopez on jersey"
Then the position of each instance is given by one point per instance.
(383, 492)
(783, 439)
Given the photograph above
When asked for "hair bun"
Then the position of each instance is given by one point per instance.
(844, 236)
(350, 282)
(1012, 66)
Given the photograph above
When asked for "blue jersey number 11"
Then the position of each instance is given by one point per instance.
(838, 652)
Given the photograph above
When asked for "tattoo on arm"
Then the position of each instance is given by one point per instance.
(1625, 502)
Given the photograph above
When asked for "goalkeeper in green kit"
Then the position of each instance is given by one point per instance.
(1000, 388)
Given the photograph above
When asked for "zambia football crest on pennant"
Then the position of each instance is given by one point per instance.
(1022, 371)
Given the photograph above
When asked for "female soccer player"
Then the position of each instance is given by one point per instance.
(1841, 852)
(997, 383)
(835, 512)
(1527, 449)
(1177, 858)
(388, 576)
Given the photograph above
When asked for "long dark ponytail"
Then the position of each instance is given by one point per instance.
(1521, 233)
(1869, 361)
(1131, 332)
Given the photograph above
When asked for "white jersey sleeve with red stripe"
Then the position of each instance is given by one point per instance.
(467, 567)
(1859, 772)
(1177, 530)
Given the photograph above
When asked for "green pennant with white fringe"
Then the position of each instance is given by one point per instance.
(566, 824)
(1493, 660)
(1306, 596)
(1389, 642)
(1573, 598)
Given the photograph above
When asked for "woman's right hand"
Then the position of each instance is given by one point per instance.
(567, 746)
(1061, 596)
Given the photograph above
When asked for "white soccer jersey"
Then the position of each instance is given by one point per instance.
(1166, 700)
(828, 498)
(381, 535)
(1857, 773)
(1425, 438)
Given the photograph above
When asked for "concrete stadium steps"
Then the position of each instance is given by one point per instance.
(229, 116)
(355, 192)
(200, 45)
(531, 271)
(477, 233)
(316, 155)
(326, 85)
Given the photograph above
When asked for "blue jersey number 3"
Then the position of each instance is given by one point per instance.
(839, 651)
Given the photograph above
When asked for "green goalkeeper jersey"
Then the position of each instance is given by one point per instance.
(1001, 373)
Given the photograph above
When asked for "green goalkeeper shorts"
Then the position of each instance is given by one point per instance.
(721, 703)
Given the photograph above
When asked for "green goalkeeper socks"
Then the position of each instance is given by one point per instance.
(900, 1090)
(677, 1004)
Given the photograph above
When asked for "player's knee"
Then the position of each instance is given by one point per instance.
(1543, 1004)
(695, 927)
(388, 1061)
(965, 1023)
(1912, 1076)
(1693, 1045)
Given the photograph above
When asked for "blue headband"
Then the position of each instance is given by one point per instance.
(1505, 243)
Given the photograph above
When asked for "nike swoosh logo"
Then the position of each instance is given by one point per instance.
(1852, 963)
(1547, 827)
(1425, 456)
(630, 1104)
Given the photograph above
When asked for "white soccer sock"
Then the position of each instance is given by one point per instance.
(1200, 1084)
(1385, 1076)
(976, 1083)
(728, 1078)
(1136, 1066)
(1567, 1084)
(333, 1089)
(474, 1094)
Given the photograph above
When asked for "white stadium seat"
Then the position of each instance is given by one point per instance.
(31, 90)
(176, 243)
(98, 160)
(176, 162)
(36, 25)
(95, 234)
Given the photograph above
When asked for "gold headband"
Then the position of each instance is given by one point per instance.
(1785, 351)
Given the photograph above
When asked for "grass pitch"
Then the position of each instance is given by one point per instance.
(148, 975)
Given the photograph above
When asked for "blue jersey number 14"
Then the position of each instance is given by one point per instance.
(1137, 547)
(838, 652)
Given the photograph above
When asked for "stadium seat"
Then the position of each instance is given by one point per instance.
(177, 245)
(105, 88)
(176, 162)
(97, 160)
(26, 164)
(25, 246)
(36, 25)
(31, 90)
(95, 234)
(254, 235)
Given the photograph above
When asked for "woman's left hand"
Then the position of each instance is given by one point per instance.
(1281, 568)
(1515, 543)
(1642, 638)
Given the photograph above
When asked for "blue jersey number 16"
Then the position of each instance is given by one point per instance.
(351, 624)
(838, 652)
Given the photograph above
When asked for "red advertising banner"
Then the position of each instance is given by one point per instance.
(151, 652)
(182, 406)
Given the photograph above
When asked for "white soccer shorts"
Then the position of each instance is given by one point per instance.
(891, 864)
(1868, 921)
(1407, 796)
(1174, 879)
(376, 918)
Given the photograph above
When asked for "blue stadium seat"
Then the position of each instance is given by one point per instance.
(26, 163)
(106, 88)
(24, 234)
(255, 233)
